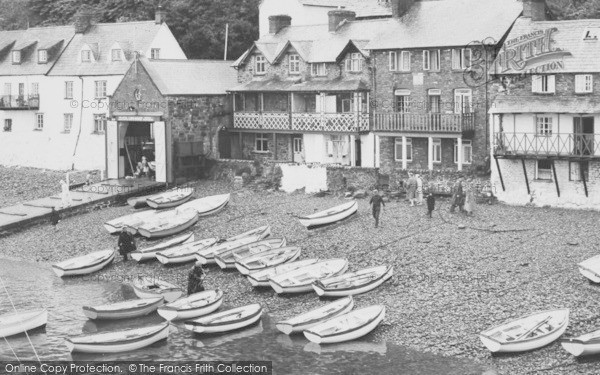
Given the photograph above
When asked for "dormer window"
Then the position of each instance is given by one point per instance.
(116, 54)
(155, 53)
(16, 57)
(86, 55)
(260, 65)
(42, 56)
(294, 67)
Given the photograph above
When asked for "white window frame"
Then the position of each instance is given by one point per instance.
(546, 175)
(354, 63)
(100, 89)
(86, 55)
(42, 56)
(584, 83)
(461, 58)
(68, 89)
(99, 123)
(467, 144)
(294, 64)
(35, 90)
(261, 142)
(8, 125)
(543, 125)
(16, 57)
(404, 96)
(116, 54)
(155, 53)
(260, 65)
(400, 61)
(460, 104)
(435, 62)
(298, 146)
(398, 149)
(318, 69)
(437, 150)
(543, 84)
(39, 121)
(67, 122)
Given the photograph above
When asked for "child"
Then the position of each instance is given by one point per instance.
(430, 204)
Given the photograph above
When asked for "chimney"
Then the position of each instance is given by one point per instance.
(534, 9)
(160, 16)
(83, 21)
(276, 23)
(338, 16)
(400, 7)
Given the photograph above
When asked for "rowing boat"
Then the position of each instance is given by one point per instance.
(588, 344)
(590, 268)
(269, 258)
(148, 287)
(300, 280)
(262, 232)
(124, 310)
(118, 341)
(172, 222)
(329, 216)
(346, 327)
(85, 264)
(261, 278)
(138, 202)
(192, 306)
(226, 321)
(184, 253)
(353, 283)
(22, 321)
(312, 318)
(170, 199)
(207, 205)
(207, 255)
(526, 333)
(226, 258)
(150, 252)
(131, 222)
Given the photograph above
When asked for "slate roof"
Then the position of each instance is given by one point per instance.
(533, 104)
(313, 85)
(585, 54)
(191, 77)
(448, 23)
(363, 8)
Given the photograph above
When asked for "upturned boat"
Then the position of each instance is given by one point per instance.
(226, 320)
(118, 341)
(84, 264)
(266, 259)
(168, 224)
(124, 310)
(261, 278)
(170, 199)
(353, 283)
(207, 205)
(346, 327)
(22, 321)
(300, 280)
(184, 253)
(329, 216)
(150, 252)
(315, 317)
(226, 258)
(149, 287)
(192, 306)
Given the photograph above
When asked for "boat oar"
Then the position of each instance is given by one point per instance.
(534, 328)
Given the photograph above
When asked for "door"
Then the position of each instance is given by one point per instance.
(160, 144)
(584, 135)
(298, 147)
(462, 101)
(112, 150)
(358, 152)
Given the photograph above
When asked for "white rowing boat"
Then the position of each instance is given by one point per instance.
(226, 321)
(192, 306)
(226, 258)
(168, 224)
(261, 278)
(22, 321)
(149, 287)
(353, 283)
(124, 310)
(118, 341)
(131, 221)
(170, 199)
(150, 252)
(526, 333)
(184, 253)
(588, 344)
(84, 264)
(266, 259)
(207, 255)
(329, 216)
(138, 202)
(346, 327)
(300, 280)
(207, 205)
(590, 268)
(312, 318)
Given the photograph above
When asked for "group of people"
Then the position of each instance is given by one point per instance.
(144, 168)
(463, 197)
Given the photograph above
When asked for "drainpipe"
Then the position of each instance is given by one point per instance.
(372, 108)
(80, 125)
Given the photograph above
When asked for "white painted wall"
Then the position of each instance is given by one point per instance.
(367, 150)
(295, 177)
(301, 15)
(169, 47)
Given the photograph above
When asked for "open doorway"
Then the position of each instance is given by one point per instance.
(139, 145)
(584, 135)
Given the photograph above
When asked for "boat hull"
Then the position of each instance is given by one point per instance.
(98, 348)
(150, 253)
(153, 203)
(84, 269)
(168, 231)
(245, 270)
(290, 326)
(261, 278)
(303, 287)
(310, 222)
(323, 291)
(127, 313)
(171, 313)
(347, 335)
(224, 327)
(36, 319)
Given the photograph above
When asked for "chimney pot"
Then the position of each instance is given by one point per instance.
(400, 7)
(160, 16)
(534, 9)
(278, 22)
(338, 16)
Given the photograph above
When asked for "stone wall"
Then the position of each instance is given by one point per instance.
(342, 178)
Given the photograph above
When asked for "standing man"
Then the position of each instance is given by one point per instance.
(196, 279)
(126, 243)
(376, 202)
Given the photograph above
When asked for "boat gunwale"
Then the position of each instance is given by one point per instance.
(563, 323)
(353, 329)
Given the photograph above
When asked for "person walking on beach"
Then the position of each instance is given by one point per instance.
(458, 199)
(196, 279)
(126, 243)
(411, 189)
(376, 203)
(54, 218)
(430, 204)
(419, 190)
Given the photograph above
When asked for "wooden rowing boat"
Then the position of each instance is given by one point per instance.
(150, 252)
(192, 306)
(526, 333)
(148, 287)
(207, 255)
(207, 205)
(124, 310)
(118, 341)
(353, 283)
(269, 258)
(226, 258)
(300, 280)
(184, 253)
(22, 321)
(85, 264)
(348, 326)
(329, 216)
(312, 318)
(261, 278)
(588, 344)
(172, 222)
(226, 321)
(131, 222)
(170, 199)
(590, 268)
(262, 232)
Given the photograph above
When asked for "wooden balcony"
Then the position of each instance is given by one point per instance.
(577, 146)
(423, 122)
(15, 102)
(302, 122)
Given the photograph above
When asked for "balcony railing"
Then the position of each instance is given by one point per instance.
(423, 122)
(301, 121)
(574, 145)
(19, 102)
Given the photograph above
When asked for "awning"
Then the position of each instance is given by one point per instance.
(545, 105)
(335, 85)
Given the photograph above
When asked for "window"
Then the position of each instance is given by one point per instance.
(463, 101)
(467, 148)
(260, 64)
(155, 53)
(402, 101)
(435, 100)
(461, 58)
(400, 61)
(100, 89)
(262, 143)
(431, 60)
(437, 150)
(584, 83)
(543, 84)
(39, 121)
(575, 169)
(398, 149)
(297, 145)
(86, 55)
(16, 57)
(68, 89)
(544, 170)
(8, 125)
(42, 56)
(35, 90)
(346, 105)
(318, 69)
(115, 54)
(543, 125)
(294, 67)
(68, 122)
(354, 63)
(99, 123)
(21, 90)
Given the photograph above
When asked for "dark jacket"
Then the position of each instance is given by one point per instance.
(196, 280)
(430, 202)
(377, 202)
(126, 243)
(54, 217)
